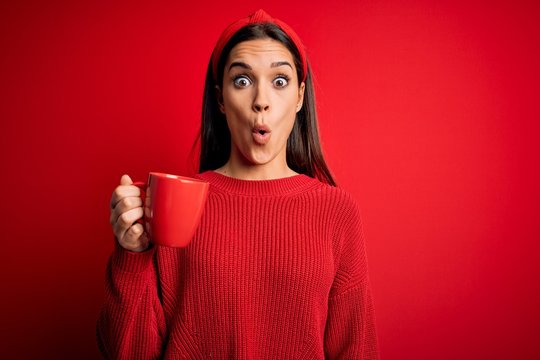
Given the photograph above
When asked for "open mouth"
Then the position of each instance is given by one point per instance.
(261, 129)
(261, 134)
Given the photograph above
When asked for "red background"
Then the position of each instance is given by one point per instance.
(429, 117)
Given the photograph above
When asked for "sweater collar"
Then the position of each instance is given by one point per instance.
(275, 187)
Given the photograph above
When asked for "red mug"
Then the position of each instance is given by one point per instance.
(173, 206)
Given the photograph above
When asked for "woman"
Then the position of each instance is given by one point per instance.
(277, 267)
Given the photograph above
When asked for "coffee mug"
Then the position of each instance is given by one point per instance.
(173, 206)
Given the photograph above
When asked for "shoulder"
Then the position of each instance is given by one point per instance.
(337, 206)
(346, 201)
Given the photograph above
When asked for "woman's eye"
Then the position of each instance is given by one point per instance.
(281, 81)
(242, 81)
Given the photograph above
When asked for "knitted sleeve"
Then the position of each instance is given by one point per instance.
(350, 328)
(131, 324)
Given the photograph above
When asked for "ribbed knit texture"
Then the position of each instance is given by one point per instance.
(276, 270)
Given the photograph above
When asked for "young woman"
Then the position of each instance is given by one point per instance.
(277, 268)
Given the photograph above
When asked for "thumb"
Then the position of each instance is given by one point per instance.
(125, 180)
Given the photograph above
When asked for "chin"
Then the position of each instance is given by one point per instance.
(260, 160)
(258, 157)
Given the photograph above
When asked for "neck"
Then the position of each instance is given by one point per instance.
(275, 169)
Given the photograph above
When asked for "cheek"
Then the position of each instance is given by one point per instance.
(232, 112)
(290, 124)
(288, 111)
(234, 105)
(290, 100)
(286, 125)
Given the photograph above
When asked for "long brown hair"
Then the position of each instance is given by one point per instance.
(304, 153)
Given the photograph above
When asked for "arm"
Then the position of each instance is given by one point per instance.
(350, 328)
(131, 324)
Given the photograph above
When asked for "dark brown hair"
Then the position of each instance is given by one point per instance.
(304, 153)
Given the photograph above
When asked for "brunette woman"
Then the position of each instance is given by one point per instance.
(277, 268)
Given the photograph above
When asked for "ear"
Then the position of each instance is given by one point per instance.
(219, 97)
(301, 90)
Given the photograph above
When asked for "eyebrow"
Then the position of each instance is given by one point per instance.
(246, 66)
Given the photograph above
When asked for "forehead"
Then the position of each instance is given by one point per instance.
(260, 49)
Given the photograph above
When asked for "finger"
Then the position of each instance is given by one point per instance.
(118, 192)
(130, 240)
(125, 220)
(123, 191)
(125, 180)
(135, 239)
(144, 242)
(124, 205)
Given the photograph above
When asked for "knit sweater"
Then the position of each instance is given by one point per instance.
(276, 270)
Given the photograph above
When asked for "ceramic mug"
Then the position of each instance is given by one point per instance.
(173, 206)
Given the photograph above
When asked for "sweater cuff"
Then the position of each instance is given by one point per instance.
(132, 262)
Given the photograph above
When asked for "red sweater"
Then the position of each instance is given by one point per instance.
(276, 270)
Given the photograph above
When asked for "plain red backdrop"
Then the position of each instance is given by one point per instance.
(429, 117)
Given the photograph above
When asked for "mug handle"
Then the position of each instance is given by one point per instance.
(142, 186)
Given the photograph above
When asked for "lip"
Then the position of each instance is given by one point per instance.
(261, 138)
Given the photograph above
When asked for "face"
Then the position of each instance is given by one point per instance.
(260, 98)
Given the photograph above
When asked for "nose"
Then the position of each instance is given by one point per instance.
(261, 102)
(260, 107)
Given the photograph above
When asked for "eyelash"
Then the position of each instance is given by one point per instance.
(278, 76)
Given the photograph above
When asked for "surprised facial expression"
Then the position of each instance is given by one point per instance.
(260, 98)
